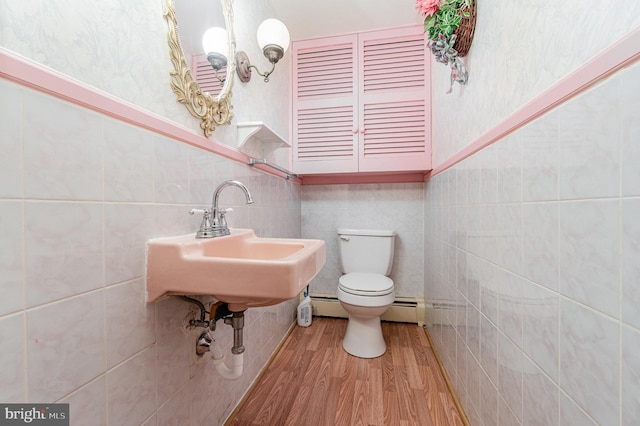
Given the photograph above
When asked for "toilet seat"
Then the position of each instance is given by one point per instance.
(365, 284)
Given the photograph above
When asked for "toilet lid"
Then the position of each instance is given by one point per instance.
(366, 284)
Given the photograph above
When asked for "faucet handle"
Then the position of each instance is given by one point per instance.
(222, 213)
(205, 212)
(206, 226)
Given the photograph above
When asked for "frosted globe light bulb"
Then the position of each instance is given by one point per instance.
(215, 41)
(273, 32)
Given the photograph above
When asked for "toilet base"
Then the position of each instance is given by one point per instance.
(364, 333)
(364, 338)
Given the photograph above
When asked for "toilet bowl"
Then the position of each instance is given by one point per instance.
(364, 334)
(365, 291)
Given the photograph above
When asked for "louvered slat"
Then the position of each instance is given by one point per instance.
(205, 76)
(394, 129)
(393, 65)
(325, 132)
(326, 72)
(361, 103)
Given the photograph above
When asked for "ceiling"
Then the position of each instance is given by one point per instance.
(317, 18)
(303, 18)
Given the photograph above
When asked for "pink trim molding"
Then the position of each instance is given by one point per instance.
(361, 178)
(619, 55)
(33, 75)
(36, 76)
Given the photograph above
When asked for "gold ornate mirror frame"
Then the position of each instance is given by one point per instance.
(211, 111)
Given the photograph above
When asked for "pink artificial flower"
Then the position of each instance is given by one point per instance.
(427, 7)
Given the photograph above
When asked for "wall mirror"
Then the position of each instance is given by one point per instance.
(205, 92)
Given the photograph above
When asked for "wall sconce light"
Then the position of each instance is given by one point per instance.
(273, 39)
(215, 46)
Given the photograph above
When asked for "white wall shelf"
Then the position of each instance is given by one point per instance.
(257, 140)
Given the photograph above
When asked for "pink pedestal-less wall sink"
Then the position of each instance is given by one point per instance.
(240, 269)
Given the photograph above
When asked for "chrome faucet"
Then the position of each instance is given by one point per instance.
(214, 223)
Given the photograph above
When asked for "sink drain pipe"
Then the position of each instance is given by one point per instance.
(237, 351)
(206, 342)
(233, 373)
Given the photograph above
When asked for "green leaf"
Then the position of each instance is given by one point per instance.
(433, 33)
(429, 22)
(447, 19)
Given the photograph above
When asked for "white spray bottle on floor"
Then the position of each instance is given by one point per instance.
(304, 310)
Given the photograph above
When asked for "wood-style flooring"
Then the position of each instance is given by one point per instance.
(313, 381)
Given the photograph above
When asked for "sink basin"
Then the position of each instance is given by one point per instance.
(240, 269)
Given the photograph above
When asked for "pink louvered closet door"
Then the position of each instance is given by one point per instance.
(361, 103)
(394, 101)
(205, 75)
(325, 105)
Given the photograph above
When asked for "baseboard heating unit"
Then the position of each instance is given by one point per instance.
(403, 309)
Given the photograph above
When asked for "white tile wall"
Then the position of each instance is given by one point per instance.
(65, 345)
(74, 324)
(590, 253)
(128, 163)
(590, 353)
(11, 159)
(398, 207)
(631, 378)
(62, 150)
(13, 379)
(12, 260)
(64, 251)
(87, 404)
(545, 275)
(630, 131)
(630, 262)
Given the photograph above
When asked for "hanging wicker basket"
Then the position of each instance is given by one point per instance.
(464, 33)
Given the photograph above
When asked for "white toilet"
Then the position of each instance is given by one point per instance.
(365, 291)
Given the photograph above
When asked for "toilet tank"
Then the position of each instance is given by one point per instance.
(366, 250)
